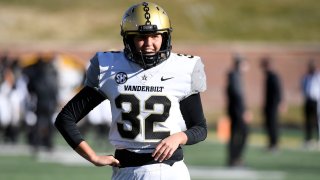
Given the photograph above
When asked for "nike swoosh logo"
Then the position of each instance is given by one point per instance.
(164, 79)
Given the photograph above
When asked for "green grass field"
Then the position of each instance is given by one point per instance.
(290, 163)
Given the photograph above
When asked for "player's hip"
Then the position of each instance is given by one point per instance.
(178, 171)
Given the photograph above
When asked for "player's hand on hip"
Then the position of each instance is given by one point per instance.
(168, 146)
(106, 160)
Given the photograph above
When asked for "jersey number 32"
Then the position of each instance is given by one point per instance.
(132, 116)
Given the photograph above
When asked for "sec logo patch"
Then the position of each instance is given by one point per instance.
(121, 78)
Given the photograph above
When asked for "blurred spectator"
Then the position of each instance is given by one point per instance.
(12, 98)
(237, 112)
(43, 88)
(6, 85)
(3, 64)
(272, 100)
(311, 91)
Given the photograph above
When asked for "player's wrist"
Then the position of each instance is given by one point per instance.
(183, 138)
(93, 158)
(87, 152)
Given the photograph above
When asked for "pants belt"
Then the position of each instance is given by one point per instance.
(132, 159)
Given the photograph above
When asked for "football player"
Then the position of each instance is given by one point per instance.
(154, 96)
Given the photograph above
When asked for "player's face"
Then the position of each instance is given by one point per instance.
(148, 44)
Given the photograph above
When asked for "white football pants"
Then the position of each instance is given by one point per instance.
(160, 171)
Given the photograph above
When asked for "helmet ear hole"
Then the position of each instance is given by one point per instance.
(130, 42)
(129, 47)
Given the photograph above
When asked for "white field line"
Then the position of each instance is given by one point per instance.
(222, 173)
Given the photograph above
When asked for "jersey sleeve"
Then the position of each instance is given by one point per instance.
(198, 78)
(93, 72)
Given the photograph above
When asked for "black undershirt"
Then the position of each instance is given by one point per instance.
(88, 98)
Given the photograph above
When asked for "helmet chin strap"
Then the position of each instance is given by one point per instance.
(149, 61)
(142, 59)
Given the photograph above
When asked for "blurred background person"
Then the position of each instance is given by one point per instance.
(237, 111)
(43, 88)
(272, 99)
(12, 99)
(311, 92)
(17, 99)
(6, 85)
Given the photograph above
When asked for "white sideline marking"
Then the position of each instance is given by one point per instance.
(212, 173)
(14, 150)
(66, 157)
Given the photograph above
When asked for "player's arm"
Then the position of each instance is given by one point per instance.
(191, 107)
(71, 114)
(79, 106)
(192, 112)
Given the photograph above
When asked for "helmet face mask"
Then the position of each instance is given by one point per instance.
(144, 19)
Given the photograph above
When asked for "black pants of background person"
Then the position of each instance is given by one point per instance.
(311, 121)
(238, 140)
(41, 134)
(11, 134)
(271, 126)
